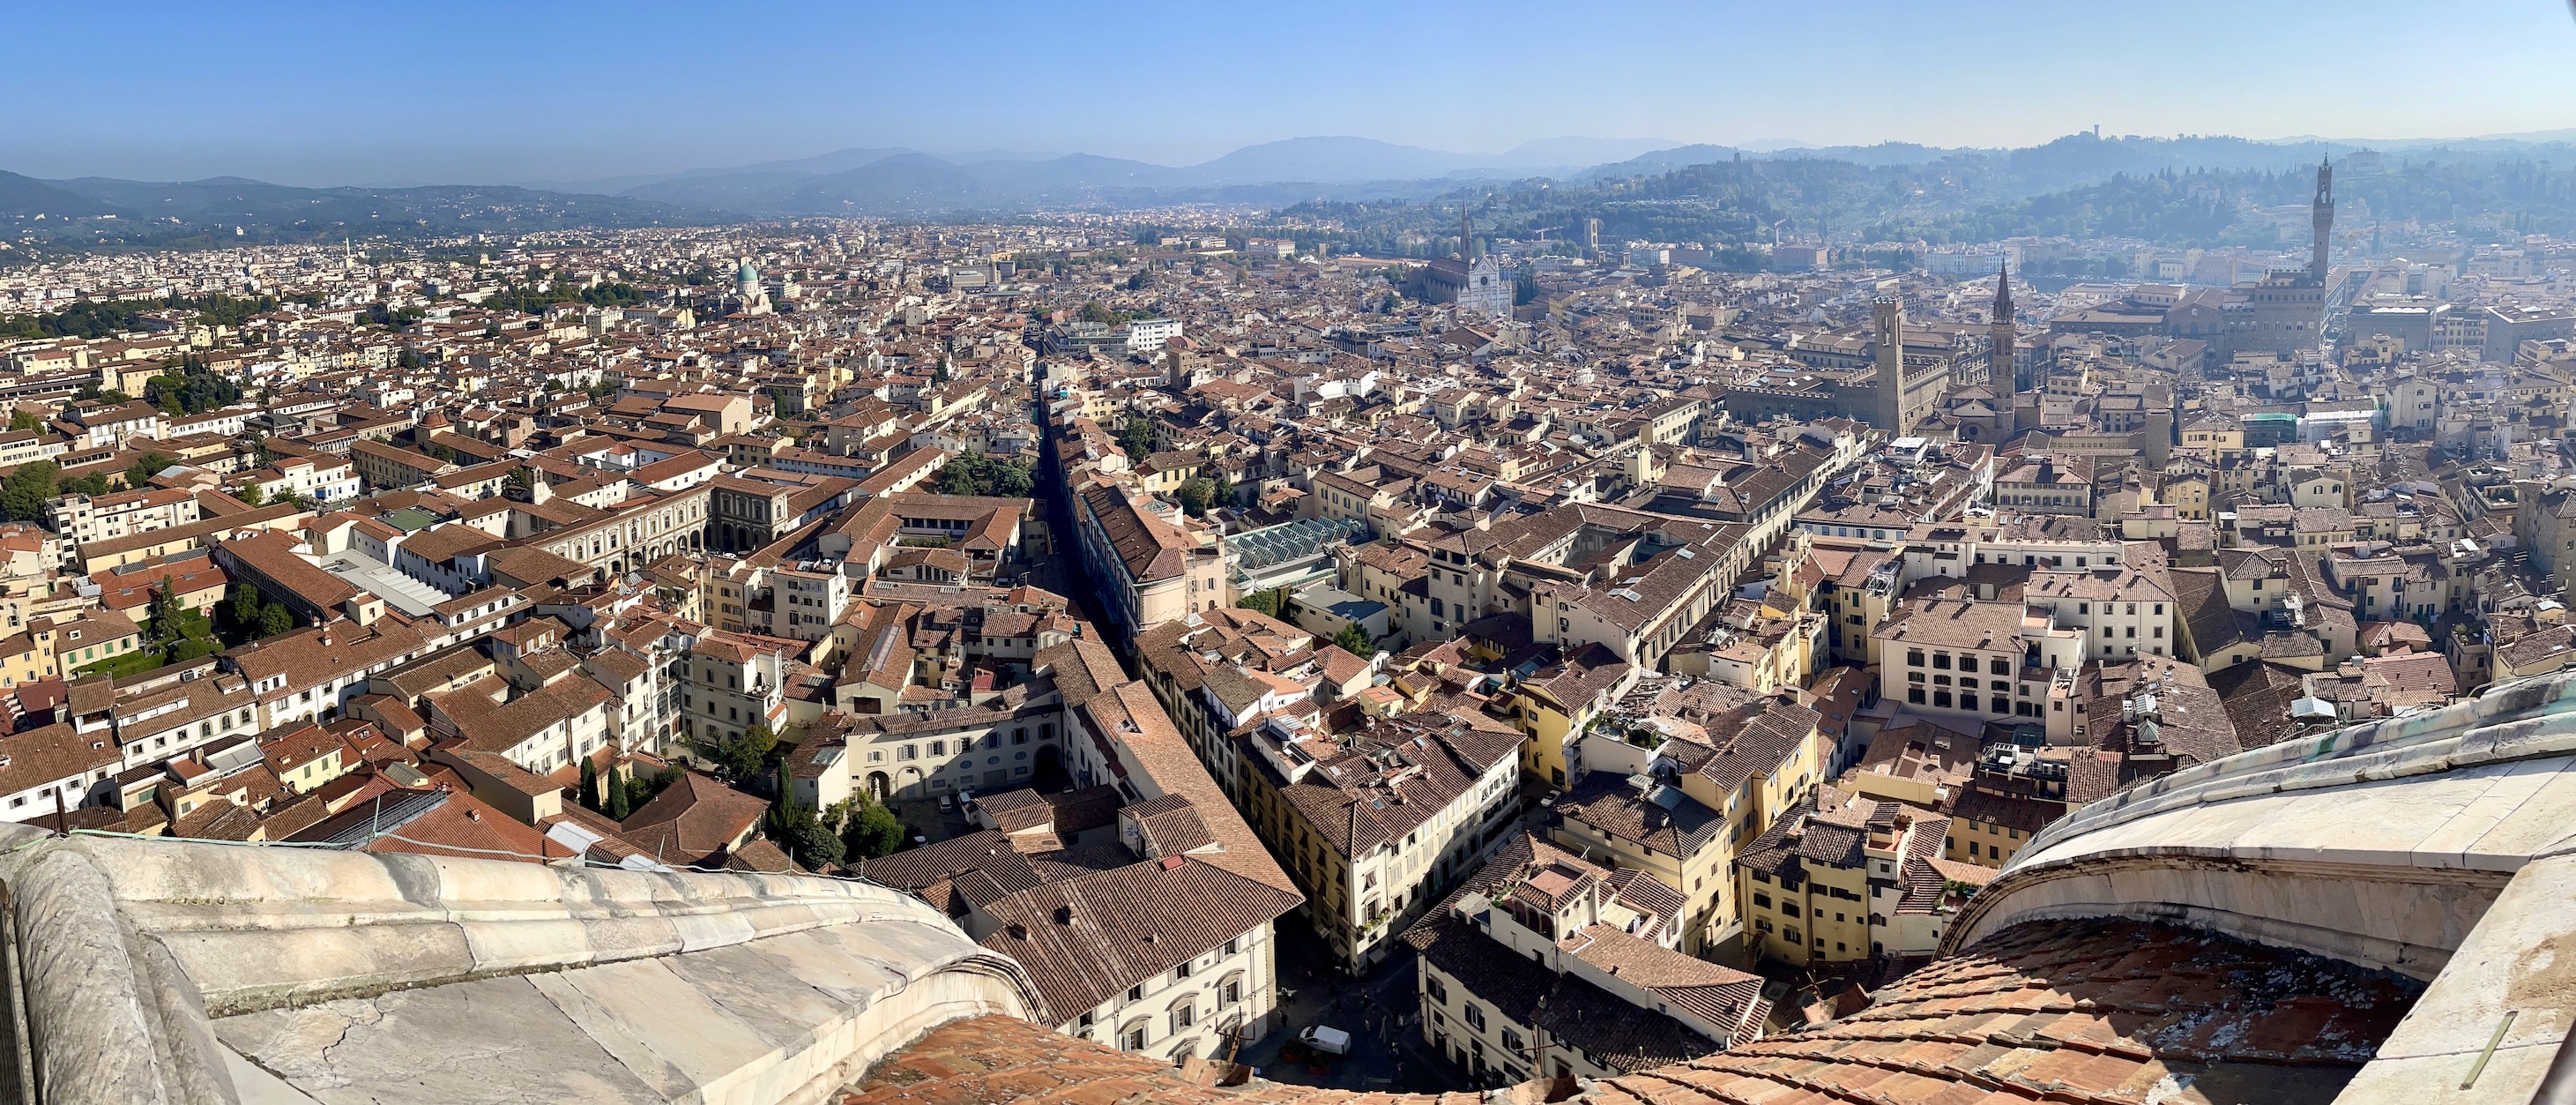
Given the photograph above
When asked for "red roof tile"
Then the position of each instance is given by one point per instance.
(2091, 1011)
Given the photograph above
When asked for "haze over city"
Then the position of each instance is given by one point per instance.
(1347, 554)
(360, 94)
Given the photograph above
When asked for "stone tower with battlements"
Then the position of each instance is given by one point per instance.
(1887, 327)
(2321, 218)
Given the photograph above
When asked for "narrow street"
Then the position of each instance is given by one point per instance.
(1379, 1010)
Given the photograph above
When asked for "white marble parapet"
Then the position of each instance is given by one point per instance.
(184, 971)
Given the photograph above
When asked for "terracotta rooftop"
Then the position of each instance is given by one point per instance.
(2082, 1012)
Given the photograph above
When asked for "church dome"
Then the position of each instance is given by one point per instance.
(747, 274)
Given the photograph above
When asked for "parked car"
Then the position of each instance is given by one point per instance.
(1332, 1041)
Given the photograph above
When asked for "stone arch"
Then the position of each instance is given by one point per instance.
(878, 787)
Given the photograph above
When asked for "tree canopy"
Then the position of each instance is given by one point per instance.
(869, 830)
(193, 389)
(976, 474)
(1196, 494)
(737, 760)
(1273, 602)
(1137, 437)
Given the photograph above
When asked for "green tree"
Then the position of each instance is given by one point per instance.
(275, 619)
(250, 495)
(1012, 478)
(23, 419)
(1195, 494)
(24, 492)
(639, 789)
(589, 784)
(145, 467)
(1137, 438)
(245, 604)
(872, 832)
(737, 760)
(808, 843)
(799, 831)
(619, 790)
(1273, 602)
(162, 611)
(1355, 640)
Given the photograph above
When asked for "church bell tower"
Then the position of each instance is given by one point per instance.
(2000, 335)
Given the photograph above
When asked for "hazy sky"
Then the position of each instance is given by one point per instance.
(381, 92)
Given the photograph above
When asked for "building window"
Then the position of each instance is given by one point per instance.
(1438, 990)
(1475, 1018)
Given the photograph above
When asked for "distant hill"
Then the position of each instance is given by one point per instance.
(1338, 159)
(1573, 150)
(27, 197)
(735, 192)
(904, 182)
(1395, 197)
(233, 210)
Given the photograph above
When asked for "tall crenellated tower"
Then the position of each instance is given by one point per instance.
(1887, 318)
(2321, 216)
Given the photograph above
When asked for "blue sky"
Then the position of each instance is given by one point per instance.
(372, 93)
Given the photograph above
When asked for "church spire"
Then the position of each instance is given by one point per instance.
(2001, 338)
(1466, 234)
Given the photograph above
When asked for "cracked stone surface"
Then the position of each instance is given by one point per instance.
(754, 1022)
(490, 1040)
